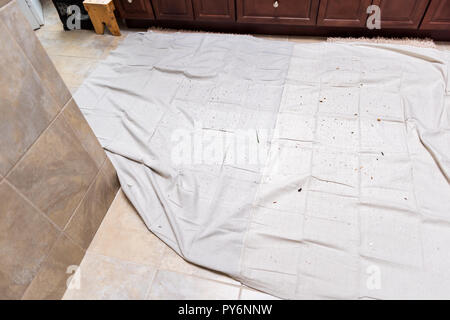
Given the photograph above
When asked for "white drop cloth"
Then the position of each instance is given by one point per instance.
(343, 191)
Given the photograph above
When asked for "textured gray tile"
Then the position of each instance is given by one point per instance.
(25, 239)
(76, 120)
(51, 280)
(26, 106)
(56, 173)
(89, 215)
(19, 27)
(3, 2)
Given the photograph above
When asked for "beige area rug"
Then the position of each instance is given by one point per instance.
(415, 42)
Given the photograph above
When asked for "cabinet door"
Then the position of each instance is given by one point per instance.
(437, 16)
(173, 9)
(213, 10)
(296, 12)
(134, 9)
(401, 13)
(343, 13)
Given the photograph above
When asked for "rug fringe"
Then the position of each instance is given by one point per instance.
(416, 42)
(163, 30)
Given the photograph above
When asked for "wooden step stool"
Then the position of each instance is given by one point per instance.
(101, 13)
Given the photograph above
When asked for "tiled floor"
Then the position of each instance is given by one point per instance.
(74, 53)
(125, 260)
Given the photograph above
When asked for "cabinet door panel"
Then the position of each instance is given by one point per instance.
(343, 13)
(213, 9)
(437, 16)
(134, 9)
(297, 12)
(173, 9)
(401, 13)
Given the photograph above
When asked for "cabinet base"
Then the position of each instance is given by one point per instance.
(273, 29)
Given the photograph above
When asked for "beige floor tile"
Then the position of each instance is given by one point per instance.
(68, 64)
(108, 278)
(250, 294)
(128, 245)
(78, 43)
(73, 70)
(74, 53)
(51, 18)
(92, 45)
(120, 236)
(58, 42)
(171, 261)
(173, 285)
(123, 215)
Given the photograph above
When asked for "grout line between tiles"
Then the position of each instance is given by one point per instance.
(33, 205)
(199, 276)
(156, 265)
(42, 263)
(29, 201)
(81, 56)
(35, 141)
(46, 255)
(28, 59)
(71, 56)
(42, 213)
(150, 286)
(85, 194)
(47, 89)
(122, 260)
(78, 139)
(203, 278)
(158, 269)
(71, 239)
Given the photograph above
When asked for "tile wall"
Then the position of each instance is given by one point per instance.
(56, 183)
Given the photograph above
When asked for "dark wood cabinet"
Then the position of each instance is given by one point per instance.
(299, 12)
(437, 16)
(214, 10)
(409, 18)
(141, 9)
(401, 13)
(343, 13)
(173, 9)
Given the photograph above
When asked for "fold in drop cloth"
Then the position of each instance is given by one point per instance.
(303, 170)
